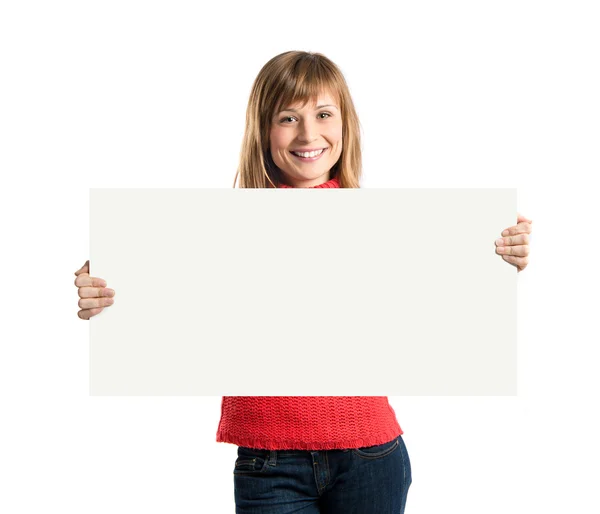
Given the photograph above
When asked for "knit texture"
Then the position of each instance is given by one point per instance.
(329, 184)
(307, 422)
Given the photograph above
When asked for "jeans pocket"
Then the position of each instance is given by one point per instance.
(250, 461)
(378, 451)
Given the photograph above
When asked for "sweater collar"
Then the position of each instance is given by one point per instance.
(333, 183)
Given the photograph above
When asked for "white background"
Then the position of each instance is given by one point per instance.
(450, 94)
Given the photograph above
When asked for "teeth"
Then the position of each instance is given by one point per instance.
(308, 154)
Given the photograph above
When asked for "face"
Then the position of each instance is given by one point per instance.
(317, 128)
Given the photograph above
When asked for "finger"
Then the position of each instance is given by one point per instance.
(519, 250)
(84, 280)
(95, 292)
(520, 239)
(519, 262)
(520, 228)
(520, 218)
(93, 303)
(88, 313)
(84, 269)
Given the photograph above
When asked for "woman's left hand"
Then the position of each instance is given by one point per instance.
(514, 246)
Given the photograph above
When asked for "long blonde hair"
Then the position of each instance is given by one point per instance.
(288, 78)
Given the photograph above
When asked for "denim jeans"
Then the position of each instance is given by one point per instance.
(369, 480)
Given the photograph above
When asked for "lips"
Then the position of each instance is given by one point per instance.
(309, 159)
(315, 150)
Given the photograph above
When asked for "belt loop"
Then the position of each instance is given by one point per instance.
(272, 457)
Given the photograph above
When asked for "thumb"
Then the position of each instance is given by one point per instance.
(84, 269)
(521, 218)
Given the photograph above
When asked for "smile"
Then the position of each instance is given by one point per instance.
(309, 156)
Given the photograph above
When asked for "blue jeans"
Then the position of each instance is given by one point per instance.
(369, 480)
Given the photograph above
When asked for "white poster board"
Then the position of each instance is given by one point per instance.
(320, 292)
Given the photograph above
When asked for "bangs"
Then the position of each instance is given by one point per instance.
(305, 82)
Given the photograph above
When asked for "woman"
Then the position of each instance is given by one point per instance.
(309, 454)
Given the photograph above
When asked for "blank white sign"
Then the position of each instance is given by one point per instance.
(320, 292)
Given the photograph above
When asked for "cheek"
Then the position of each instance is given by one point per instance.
(336, 134)
(337, 137)
(277, 140)
(277, 145)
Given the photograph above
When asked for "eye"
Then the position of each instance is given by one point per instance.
(286, 118)
(328, 115)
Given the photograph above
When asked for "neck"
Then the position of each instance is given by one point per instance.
(300, 182)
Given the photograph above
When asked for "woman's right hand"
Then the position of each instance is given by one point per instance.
(93, 293)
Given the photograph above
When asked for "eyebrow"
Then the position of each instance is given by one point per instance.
(318, 107)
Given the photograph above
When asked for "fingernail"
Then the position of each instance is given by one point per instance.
(499, 242)
(505, 232)
(109, 292)
(109, 301)
(500, 249)
(103, 283)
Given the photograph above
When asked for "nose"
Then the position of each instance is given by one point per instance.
(307, 131)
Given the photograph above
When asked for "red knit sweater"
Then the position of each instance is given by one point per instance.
(307, 422)
(333, 183)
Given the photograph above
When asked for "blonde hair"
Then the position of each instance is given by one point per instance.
(288, 78)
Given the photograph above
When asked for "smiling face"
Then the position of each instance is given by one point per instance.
(315, 128)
